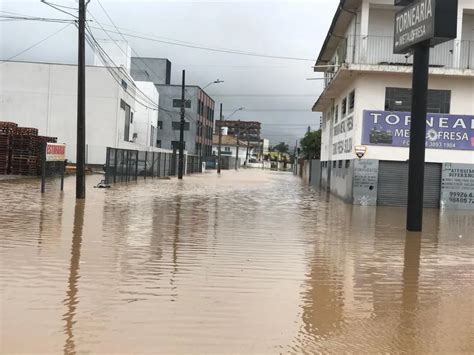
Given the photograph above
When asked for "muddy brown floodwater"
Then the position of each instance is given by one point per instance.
(251, 263)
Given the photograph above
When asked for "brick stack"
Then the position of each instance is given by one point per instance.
(24, 157)
(6, 129)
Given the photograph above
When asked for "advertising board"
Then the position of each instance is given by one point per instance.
(443, 131)
(55, 152)
(430, 21)
(457, 186)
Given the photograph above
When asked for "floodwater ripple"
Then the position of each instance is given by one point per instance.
(248, 262)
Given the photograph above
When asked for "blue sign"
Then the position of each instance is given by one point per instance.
(443, 131)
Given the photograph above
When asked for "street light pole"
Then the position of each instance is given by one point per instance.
(81, 105)
(220, 142)
(238, 145)
(181, 130)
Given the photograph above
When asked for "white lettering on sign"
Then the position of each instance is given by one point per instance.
(411, 18)
(55, 152)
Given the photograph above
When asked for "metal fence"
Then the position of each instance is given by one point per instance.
(124, 165)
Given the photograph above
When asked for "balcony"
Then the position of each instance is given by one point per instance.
(378, 50)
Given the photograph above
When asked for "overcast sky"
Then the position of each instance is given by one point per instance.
(283, 97)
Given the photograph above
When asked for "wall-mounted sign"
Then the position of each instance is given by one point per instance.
(429, 21)
(457, 186)
(442, 131)
(55, 152)
(360, 151)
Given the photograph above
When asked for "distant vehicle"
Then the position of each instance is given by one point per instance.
(252, 160)
(379, 135)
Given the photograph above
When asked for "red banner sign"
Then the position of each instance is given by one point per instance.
(55, 152)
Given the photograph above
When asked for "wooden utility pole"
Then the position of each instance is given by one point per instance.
(81, 105)
(219, 161)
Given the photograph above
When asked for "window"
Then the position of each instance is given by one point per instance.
(128, 116)
(177, 125)
(343, 107)
(124, 84)
(177, 103)
(399, 99)
(334, 164)
(336, 114)
(351, 101)
(348, 164)
(158, 143)
(160, 124)
(340, 164)
(227, 149)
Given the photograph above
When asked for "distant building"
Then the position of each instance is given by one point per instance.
(229, 147)
(366, 102)
(199, 108)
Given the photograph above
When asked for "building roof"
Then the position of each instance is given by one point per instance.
(227, 140)
(342, 18)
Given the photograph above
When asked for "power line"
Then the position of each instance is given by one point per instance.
(36, 44)
(196, 46)
(58, 9)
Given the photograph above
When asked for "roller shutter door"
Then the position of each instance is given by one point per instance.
(392, 187)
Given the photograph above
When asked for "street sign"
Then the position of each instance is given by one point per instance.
(360, 151)
(55, 152)
(424, 21)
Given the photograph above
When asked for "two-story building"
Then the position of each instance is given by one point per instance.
(366, 102)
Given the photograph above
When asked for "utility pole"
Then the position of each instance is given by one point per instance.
(238, 145)
(220, 142)
(81, 105)
(181, 131)
(248, 146)
(416, 163)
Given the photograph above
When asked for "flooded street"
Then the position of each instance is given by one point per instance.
(251, 262)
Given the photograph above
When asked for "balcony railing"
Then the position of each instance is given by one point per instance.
(378, 50)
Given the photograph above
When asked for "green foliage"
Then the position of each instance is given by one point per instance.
(311, 145)
(281, 147)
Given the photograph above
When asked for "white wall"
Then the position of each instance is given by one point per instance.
(119, 53)
(145, 118)
(44, 96)
(233, 150)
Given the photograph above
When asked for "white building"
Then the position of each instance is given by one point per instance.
(44, 96)
(229, 147)
(367, 100)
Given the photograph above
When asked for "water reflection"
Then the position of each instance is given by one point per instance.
(72, 300)
(251, 262)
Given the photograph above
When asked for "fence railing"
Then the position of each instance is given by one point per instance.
(124, 165)
(378, 50)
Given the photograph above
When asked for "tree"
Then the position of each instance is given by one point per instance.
(281, 147)
(311, 145)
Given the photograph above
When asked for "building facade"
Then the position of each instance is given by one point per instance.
(199, 108)
(44, 96)
(366, 102)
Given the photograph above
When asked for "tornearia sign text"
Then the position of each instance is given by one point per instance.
(425, 21)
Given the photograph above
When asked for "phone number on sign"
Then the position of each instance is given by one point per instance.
(461, 197)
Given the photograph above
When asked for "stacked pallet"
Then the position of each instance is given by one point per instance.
(24, 157)
(6, 128)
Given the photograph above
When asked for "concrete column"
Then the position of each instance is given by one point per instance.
(457, 48)
(364, 31)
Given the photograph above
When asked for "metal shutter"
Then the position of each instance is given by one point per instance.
(393, 184)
